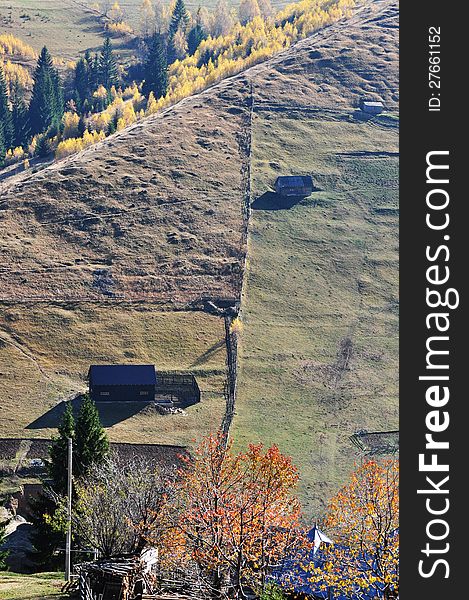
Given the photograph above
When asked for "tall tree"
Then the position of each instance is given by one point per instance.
(107, 66)
(91, 442)
(155, 69)
(46, 106)
(177, 31)
(363, 521)
(248, 10)
(147, 18)
(179, 18)
(20, 116)
(223, 19)
(6, 118)
(240, 516)
(196, 35)
(81, 82)
(57, 465)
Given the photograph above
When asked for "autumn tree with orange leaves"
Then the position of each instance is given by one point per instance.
(237, 517)
(363, 521)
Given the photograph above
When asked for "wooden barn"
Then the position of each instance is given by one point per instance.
(298, 186)
(122, 383)
(371, 107)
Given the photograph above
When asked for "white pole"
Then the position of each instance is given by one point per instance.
(68, 539)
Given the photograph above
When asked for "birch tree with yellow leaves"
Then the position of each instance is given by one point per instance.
(363, 521)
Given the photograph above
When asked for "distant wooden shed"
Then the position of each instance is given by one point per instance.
(371, 107)
(122, 383)
(298, 186)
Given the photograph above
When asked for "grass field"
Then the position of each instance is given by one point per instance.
(45, 352)
(31, 587)
(319, 353)
(69, 27)
(64, 26)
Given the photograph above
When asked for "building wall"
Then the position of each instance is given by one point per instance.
(122, 393)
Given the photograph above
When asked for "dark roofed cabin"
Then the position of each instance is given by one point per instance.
(298, 186)
(122, 383)
(371, 107)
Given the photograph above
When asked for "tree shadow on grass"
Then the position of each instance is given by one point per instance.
(203, 358)
(110, 413)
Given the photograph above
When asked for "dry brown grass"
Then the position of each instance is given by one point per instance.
(155, 213)
(152, 213)
(46, 351)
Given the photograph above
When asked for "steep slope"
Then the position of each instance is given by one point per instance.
(319, 347)
(151, 213)
(99, 249)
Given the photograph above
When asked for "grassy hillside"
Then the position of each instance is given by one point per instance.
(69, 27)
(64, 26)
(46, 350)
(319, 351)
(154, 214)
(31, 587)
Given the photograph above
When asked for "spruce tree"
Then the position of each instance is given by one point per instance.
(91, 442)
(45, 539)
(107, 66)
(81, 82)
(6, 119)
(46, 106)
(21, 126)
(195, 37)
(42, 148)
(59, 102)
(155, 69)
(57, 465)
(179, 20)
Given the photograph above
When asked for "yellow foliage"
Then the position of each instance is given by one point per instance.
(247, 45)
(70, 121)
(236, 326)
(120, 29)
(243, 47)
(15, 72)
(73, 145)
(9, 44)
(101, 92)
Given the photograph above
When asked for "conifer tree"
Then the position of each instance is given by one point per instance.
(57, 465)
(107, 66)
(178, 18)
(95, 78)
(178, 25)
(81, 126)
(81, 82)
(6, 119)
(196, 35)
(21, 126)
(42, 148)
(46, 106)
(156, 69)
(91, 442)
